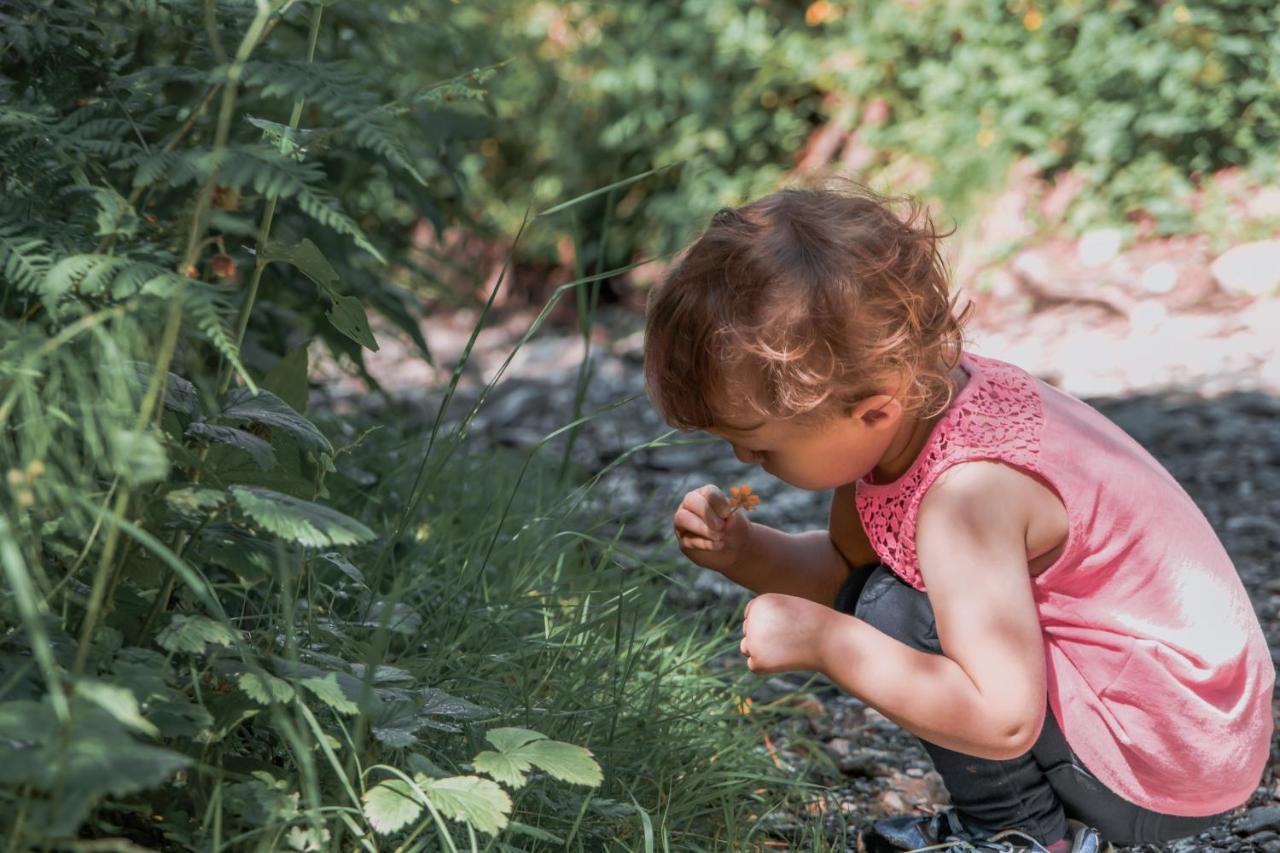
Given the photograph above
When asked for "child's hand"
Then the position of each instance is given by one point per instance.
(781, 633)
(709, 530)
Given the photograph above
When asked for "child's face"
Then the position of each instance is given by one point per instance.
(818, 455)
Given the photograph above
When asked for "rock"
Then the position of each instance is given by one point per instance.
(1032, 265)
(1161, 277)
(890, 803)
(1250, 268)
(1263, 837)
(1258, 819)
(1098, 246)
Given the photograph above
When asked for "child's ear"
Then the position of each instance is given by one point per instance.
(878, 412)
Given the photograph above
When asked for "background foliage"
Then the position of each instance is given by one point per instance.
(1142, 99)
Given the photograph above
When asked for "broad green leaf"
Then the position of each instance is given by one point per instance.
(507, 768)
(308, 258)
(518, 749)
(263, 688)
(299, 521)
(191, 634)
(565, 761)
(117, 701)
(179, 394)
(268, 409)
(328, 691)
(347, 316)
(137, 457)
(260, 450)
(92, 758)
(397, 723)
(390, 805)
(288, 379)
(478, 802)
(195, 501)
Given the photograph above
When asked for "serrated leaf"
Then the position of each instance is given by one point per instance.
(481, 803)
(348, 317)
(299, 521)
(519, 748)
(268, 409)
(507, 768)
(328, 691)
(191, 634)
(265, 687)
(565, 761)
(390, 805)
(117, 701)
(260, 450)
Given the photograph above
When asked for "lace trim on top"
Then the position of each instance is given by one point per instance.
(997, 415)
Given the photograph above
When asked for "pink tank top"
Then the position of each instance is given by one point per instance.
(1158, 670)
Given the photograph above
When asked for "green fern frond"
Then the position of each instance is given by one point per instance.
(342, 94)
(207, 308)
(21, 263)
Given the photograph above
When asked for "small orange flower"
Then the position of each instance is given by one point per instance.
(742, 498)
(224, 266)
(742, 704)
(1033, 20)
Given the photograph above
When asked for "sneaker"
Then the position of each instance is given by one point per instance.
(944, 832)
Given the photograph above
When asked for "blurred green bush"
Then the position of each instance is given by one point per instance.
(1142, 99)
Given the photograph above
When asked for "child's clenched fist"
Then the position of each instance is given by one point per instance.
(783, 633)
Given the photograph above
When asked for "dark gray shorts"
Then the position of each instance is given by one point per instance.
(1035, 792)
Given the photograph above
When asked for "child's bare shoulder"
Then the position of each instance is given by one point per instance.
(987, 494)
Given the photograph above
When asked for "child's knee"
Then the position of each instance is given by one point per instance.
(899, 610)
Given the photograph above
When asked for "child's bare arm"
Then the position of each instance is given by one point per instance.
(985, 695)
(761, 558)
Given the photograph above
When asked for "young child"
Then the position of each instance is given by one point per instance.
(1005, 574)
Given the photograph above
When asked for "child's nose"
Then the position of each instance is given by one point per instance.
(748, 457)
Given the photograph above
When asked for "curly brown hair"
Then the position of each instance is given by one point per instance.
(802, 303)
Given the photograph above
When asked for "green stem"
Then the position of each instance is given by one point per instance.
(264, 226)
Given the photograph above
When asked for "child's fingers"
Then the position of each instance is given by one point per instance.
(696, 543)
(689, 524)
(717, 504)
